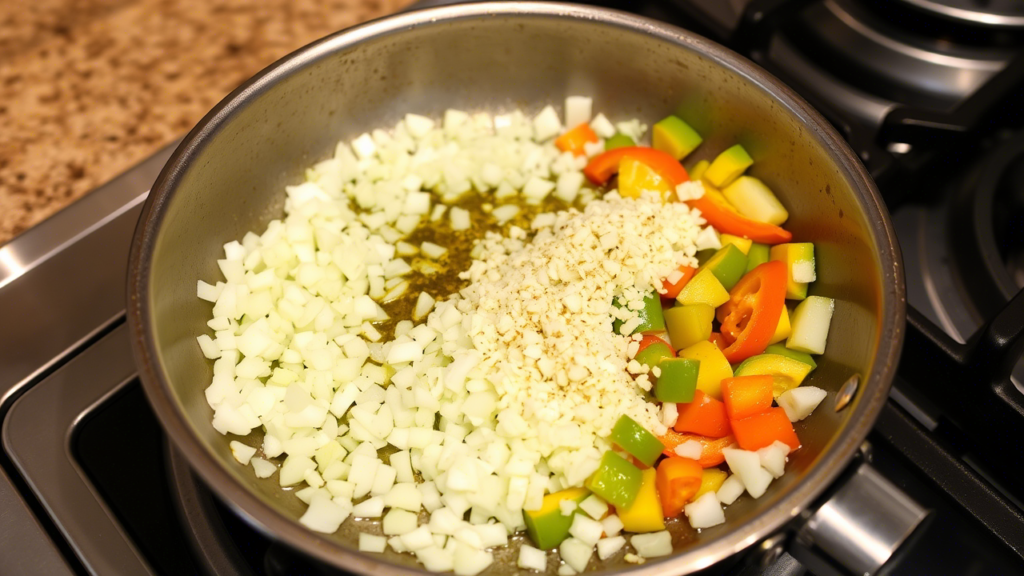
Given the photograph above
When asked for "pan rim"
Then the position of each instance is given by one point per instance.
(273, 522)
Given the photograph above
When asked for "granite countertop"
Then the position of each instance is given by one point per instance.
(88, 88)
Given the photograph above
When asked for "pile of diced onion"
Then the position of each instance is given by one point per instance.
(297, 355)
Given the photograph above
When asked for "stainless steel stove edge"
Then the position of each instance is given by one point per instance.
(61, 288)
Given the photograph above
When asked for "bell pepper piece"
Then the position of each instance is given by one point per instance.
(678, 479)
(605, 165)
(651, 317)
(705, 416)
(689, 324)
(703, 288)
(720, 214)
(635, 178)
(783, 329)
(636, 440)
(751, 315)
(745, 396)
(675, 137)
(798, 257)
(756, 201)
(743, 244)
(717, 340)
(713, 366)
(697, 172)
(703, 256)
(671, 290)
(786, 372)
(547, 527)
(575, 139)
(711, 448)
(728, 165)
(619, 140)
(798, 356)
(677, 381)
(652, 351)
(615, 480)
(644, 513)
(757, 254)
(710, 481)
(760, 430)
(728, 265)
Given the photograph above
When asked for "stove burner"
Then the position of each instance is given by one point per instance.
(995, 13)
(987, 224)
(898, 56)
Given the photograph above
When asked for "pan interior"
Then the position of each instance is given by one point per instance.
(231, 181)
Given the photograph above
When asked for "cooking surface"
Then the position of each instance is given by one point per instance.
(89, 88)
(87, 484)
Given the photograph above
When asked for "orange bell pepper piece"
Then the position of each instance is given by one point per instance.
(760, 430)
(678, 480)
(717, 339)
(705, 416)
(671, 291)
(711, 448)
(606, 164)
(574, 140)
(720, 214)
(752, 313)
(746, 396)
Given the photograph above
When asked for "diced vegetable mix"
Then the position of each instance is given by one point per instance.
(739, 348)
(717, 347)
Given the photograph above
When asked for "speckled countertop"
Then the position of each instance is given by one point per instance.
(90, 87)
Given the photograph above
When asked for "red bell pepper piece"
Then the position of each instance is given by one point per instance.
(745, 396)
(705, 416)
(678, 479)
(649, 339)
(752, 313)
(574, 140)
(760, 430)
(671, 291)
(606, 164)
(719, 213)
(711, 448)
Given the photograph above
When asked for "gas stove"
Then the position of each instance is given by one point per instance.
(928, 92)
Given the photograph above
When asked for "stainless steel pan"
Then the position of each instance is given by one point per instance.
(226, 178)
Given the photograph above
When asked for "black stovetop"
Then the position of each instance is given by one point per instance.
(89, 483)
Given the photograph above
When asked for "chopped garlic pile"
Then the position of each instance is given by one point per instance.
(540, 315)
(497, 395)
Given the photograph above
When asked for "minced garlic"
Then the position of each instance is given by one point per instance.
(541, 321)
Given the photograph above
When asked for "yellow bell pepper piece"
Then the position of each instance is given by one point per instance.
(703, 288)
(710, 481)
(742, 243)
(783, 329)
(644, 515)
(698, 170)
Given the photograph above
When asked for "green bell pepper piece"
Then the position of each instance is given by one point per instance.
(651, 317)
(757, 255)
(633, 438)
(678, 380)
(616, 480)
(675, 137)
(653, 355)
(728, 265)
(619, 140)
(548, 527)
(689, 324)
(704, 255)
